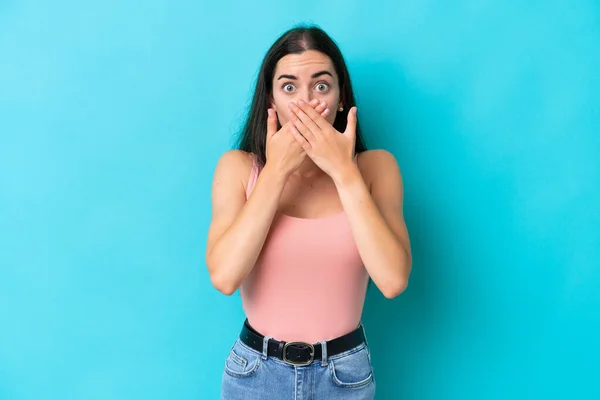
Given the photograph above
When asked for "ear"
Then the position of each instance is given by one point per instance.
(341, 102)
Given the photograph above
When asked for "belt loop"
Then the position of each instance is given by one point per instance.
(323, 354)
(265, 347)
(365, 336)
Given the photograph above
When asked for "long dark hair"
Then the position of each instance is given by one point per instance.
(297, 40)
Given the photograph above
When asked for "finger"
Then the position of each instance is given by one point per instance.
(306, 146)
(299, 114)
(351, 123)
(321, 107)
(304, 131)
(314, 116)
(271, 123)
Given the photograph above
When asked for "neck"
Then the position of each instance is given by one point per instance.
(308, 170)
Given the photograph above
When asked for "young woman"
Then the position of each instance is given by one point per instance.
(303, 217)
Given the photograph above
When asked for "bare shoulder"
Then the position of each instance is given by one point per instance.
(374, 158)
(235, 159)
(234, 164)
(377, 163)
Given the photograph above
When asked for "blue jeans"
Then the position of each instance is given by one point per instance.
(250, 375)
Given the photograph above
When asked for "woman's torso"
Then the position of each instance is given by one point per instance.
(309, 283)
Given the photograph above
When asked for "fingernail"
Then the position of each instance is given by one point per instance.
(323, 104)
(270, 112)
(301, 102)
(314, 102)
(326, 111)
(291, 105)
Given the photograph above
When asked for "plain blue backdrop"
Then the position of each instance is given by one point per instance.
(113, 115)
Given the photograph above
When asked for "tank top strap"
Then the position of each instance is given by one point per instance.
(253, 176)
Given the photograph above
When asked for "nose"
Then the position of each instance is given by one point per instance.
(305, 95)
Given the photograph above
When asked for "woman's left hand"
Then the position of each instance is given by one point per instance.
(330, 150)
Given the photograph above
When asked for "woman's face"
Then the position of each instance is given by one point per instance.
(305, 76)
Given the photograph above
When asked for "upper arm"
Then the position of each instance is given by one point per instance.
(228, 193)
(382, 173)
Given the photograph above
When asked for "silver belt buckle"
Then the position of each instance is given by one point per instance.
(299, 363)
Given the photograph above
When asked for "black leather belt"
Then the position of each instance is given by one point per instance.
(300, 353)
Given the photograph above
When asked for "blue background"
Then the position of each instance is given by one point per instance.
(112, 118)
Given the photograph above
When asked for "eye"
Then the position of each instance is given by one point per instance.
(323, 86)
(288, 87)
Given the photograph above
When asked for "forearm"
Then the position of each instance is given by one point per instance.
(235, 253)
(387, 261)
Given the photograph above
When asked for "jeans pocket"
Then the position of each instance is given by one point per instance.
(352, 369)
(241, 362)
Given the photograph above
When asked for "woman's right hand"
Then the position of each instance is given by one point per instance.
(283, 152)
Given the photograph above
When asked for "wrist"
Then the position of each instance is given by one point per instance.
(274, 174)
(347, 175)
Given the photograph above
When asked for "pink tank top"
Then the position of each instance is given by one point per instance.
(309, 282)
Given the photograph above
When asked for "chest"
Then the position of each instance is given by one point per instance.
(310, 200)
(314, 245)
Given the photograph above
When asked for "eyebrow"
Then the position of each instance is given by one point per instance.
(315, 75)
